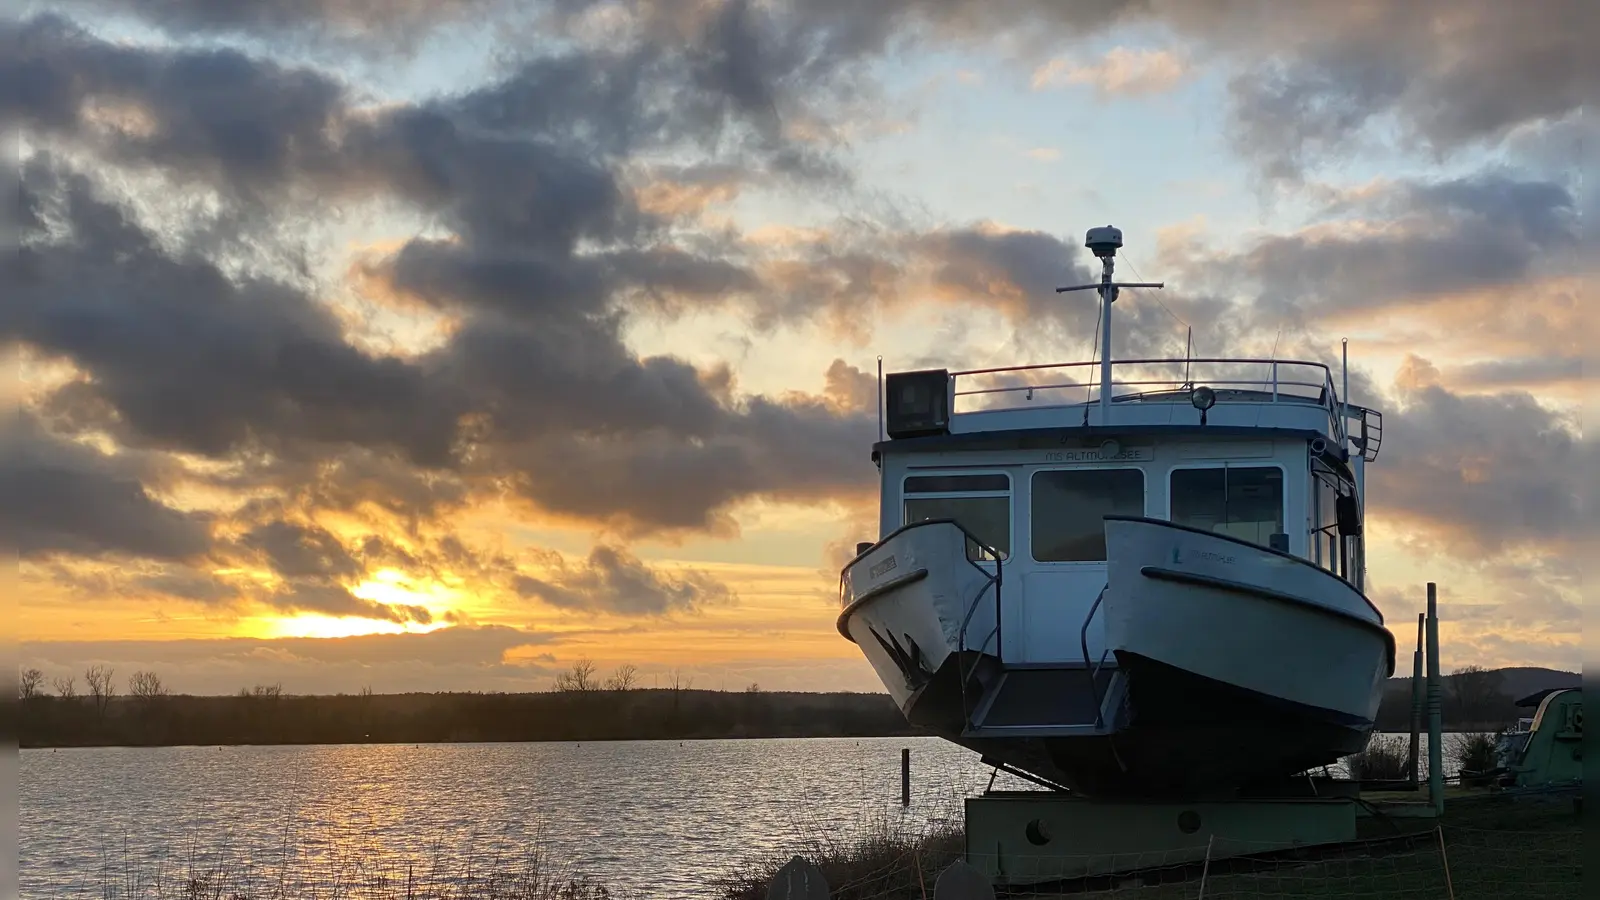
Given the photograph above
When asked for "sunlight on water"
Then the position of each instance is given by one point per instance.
(629, 813)
(660, 815)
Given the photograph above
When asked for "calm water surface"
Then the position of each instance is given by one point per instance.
(632, 814)
(657, 818)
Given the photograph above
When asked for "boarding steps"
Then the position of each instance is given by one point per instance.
(1051, 700)
(1055, 699)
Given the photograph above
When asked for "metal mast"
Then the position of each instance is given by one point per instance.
(1104, 243)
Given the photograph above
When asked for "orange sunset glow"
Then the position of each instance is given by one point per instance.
(438, 354)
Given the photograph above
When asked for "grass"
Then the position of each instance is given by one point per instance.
(229, 873)
(1493, 847)
(885, 861)
(1386, 758)
(1473, 752)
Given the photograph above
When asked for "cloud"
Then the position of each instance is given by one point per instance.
(590, 186)
(462, 658)
(378, 19)
(65, 498)
(1446, 74)
(1487, 475)
(301, 551)
(615, 581)
(1400, 243)
(1121, 71)
(218, 367)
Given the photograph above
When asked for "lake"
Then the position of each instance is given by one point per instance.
(657, 815)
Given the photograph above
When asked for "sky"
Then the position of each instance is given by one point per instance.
(429, 346)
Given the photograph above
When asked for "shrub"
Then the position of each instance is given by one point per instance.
(1386, 758)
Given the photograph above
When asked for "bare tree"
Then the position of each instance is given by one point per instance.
(66, 686)
(146, 686)
(680, 681)
(1475, 694)
(624, 679)
(754, 688)
(578, 678)
(30, 684)
(101, 687)
(267, 691)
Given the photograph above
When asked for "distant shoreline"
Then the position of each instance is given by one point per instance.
(267, 717)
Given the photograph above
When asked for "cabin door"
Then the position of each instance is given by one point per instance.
(1058, 567)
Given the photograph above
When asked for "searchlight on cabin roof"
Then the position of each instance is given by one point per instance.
(918, 403)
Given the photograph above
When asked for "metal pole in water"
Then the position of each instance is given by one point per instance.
(1416, 702)
(1435, 707)
(905, 776)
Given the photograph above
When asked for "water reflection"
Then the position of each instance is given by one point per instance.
(630, 814)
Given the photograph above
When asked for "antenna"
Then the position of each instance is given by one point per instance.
(1104, 242)
(1188, 352)
(880, 397)
(1344, 396)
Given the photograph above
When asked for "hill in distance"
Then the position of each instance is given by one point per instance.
(1516, 681)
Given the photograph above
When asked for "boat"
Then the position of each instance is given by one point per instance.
(1146, 583)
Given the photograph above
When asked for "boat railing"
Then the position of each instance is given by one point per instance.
(1089, 665)
(991, 565)
(1300, 382)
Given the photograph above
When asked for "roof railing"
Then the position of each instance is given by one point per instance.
(1271, 386)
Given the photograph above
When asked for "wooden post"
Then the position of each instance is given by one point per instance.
(1416, 703)
(1435, 707)
(905, 776)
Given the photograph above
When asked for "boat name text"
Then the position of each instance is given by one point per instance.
(1212, 555)
(887, 565)
(1093, 455)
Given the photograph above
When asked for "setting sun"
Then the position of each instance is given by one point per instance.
(320, 626)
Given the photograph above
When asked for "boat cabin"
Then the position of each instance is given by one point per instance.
(1029, 460)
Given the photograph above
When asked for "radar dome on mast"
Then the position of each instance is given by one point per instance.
(1104, 241)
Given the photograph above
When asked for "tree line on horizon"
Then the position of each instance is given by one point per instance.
(579, 705)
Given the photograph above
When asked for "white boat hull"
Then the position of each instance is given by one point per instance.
(917, 607)
(1201, 621)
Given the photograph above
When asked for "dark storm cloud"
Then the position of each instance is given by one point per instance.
(394, 22)
(1450, 73)
(189, 358)
(1311, 77)
(521, 180)
(65, 498)
(301, 551)
(535, 389)
(352, 479)
(1526, 372)
(320, 596)
(614, 580)
(1491, 473)
(206, 364)
(243, 123)
(1419, 240)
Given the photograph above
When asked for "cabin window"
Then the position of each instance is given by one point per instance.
(980, 503)
(1070, 504)
(1325, 539)
(1244, 502)
(1339, 555)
